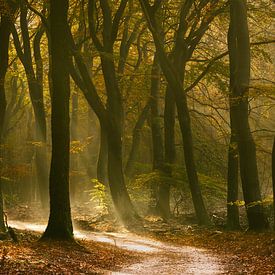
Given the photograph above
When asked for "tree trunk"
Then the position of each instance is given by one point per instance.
(74, 156)
(118, 189)
(120, 196)
(273, 180)
(175, 81)
(41, 159)
(233, 221)
(239, 52)
(91, 156)
(169, 131)
(4, 48)
(157, 139)
(5, 26)
(130, 165)
(60, 223)
(35, 83)
(110, 118)
(102, 161)
(186, 131)
(159, 192)
(169, 144)
(2, 220)
(233, 152)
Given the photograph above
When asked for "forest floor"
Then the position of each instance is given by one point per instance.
(103, 247)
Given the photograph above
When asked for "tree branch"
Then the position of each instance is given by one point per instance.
(117, 19)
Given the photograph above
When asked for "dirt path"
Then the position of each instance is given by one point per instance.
(162, 258)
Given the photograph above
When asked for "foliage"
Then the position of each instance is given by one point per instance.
(99, 194)
(213, 189)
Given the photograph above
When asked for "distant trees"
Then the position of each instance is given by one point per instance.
(154, 73)
(30, 56)
(60, 223)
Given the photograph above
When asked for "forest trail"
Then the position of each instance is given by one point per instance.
(161, 258)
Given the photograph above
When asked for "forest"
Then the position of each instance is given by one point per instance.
(137, 137)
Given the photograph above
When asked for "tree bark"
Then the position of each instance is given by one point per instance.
(74, 156)
(5, 29)
(41, 159)
(169, 131)
(130, 165)
(233, 221)
(120, 196)
(60, 223)
(273, 179)
(102, 161)
(169, 146)
(159, 204)
(118, 189)
(239, 52)
(233, 152)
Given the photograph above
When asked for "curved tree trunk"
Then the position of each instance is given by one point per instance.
(118, 188)
(111, 117)
(60, 223)
(120, 196)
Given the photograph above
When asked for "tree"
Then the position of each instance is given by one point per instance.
(233, 156)
(74, 138)
(174, 80)
(233, 221)
(7, 11)
(273, 177)
(110, 117)
(102, 161)
(239, 51)
(34, 76)
(132, 158)
(60, 223)
(114, 127)
(158, 205)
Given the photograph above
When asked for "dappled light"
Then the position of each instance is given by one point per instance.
(162, 258)
(137, 137)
